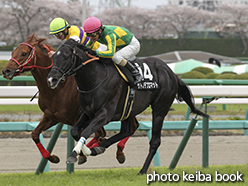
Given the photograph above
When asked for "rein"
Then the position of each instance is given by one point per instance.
(31, 56)
(72, 71)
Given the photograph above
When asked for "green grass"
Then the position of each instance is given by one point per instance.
(20, 109)
(231, 109)
(179, 109)
(122, 177)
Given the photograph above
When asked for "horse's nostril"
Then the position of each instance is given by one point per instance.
(5, 71)
(51, 82)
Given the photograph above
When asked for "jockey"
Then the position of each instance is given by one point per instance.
(116, 38)
(61, 29)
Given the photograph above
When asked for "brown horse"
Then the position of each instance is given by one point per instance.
(60, 105)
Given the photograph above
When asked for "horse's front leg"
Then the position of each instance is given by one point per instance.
(128, 127)
(82, 122)
(99, 135)
(44, 124)
(94, 124)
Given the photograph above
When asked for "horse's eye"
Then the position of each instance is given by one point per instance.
(24, 54)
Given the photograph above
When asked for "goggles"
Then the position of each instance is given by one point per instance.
(92, 34)
(59, 34)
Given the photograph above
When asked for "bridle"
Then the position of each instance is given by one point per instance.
(73, 70)
(31, 56)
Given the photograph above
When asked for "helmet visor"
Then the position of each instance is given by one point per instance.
(94, 34)
(59, 34)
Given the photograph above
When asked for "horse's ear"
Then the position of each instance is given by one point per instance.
(31, 38)
(45, 46)
(41, 40)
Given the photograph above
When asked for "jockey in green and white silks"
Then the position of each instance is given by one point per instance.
(61, 29)
(122, 45)
(116, 37)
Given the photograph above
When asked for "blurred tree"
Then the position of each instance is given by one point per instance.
(21, 18)
(231, 20)
(141, 22)
(179, 19)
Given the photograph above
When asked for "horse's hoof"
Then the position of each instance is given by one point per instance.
(82, 160)
(72, 158)
(120, 156)
(97, 150)
(121, 159)
(54, 159)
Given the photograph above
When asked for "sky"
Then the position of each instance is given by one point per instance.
(138, 3)
(148, 4)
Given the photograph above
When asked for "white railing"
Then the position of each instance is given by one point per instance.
(21, 95)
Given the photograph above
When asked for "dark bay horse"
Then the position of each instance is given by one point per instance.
(60, 105)
(102, 96)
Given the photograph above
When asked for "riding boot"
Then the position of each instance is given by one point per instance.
(135, 73)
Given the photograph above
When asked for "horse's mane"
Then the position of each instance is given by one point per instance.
(40, 42)
(85, 49)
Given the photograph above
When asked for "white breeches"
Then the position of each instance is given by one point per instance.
(128, 52)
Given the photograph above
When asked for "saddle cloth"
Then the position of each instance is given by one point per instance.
(148, 82)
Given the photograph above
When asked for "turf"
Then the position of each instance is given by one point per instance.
(126, 177)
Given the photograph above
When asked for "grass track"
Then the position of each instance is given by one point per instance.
(120, 177)
(231, 109)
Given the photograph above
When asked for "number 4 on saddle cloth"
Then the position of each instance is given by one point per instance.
(148, 83)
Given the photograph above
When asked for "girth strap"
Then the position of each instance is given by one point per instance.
(128, 104)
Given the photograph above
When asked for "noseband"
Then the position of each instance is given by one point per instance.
(31, 56)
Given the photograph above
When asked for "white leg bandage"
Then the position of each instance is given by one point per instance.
(81, 146)
(86, 150)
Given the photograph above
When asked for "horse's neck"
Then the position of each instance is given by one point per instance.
(91, 75)
(40, 75)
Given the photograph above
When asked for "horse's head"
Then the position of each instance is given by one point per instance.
(66, 61)
(23, 57)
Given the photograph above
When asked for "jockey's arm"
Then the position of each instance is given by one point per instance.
(96, 46)
(111, 47)
(105, 51)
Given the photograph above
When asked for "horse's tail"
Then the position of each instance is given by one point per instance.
(185, 93)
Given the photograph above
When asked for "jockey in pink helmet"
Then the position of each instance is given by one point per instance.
(115, 38)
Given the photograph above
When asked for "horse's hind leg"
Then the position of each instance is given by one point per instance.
(120, 156)
(44, 124)
(155, 141)
(121, 145)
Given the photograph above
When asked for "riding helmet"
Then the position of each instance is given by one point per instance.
(92, 24)
(58, 25)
